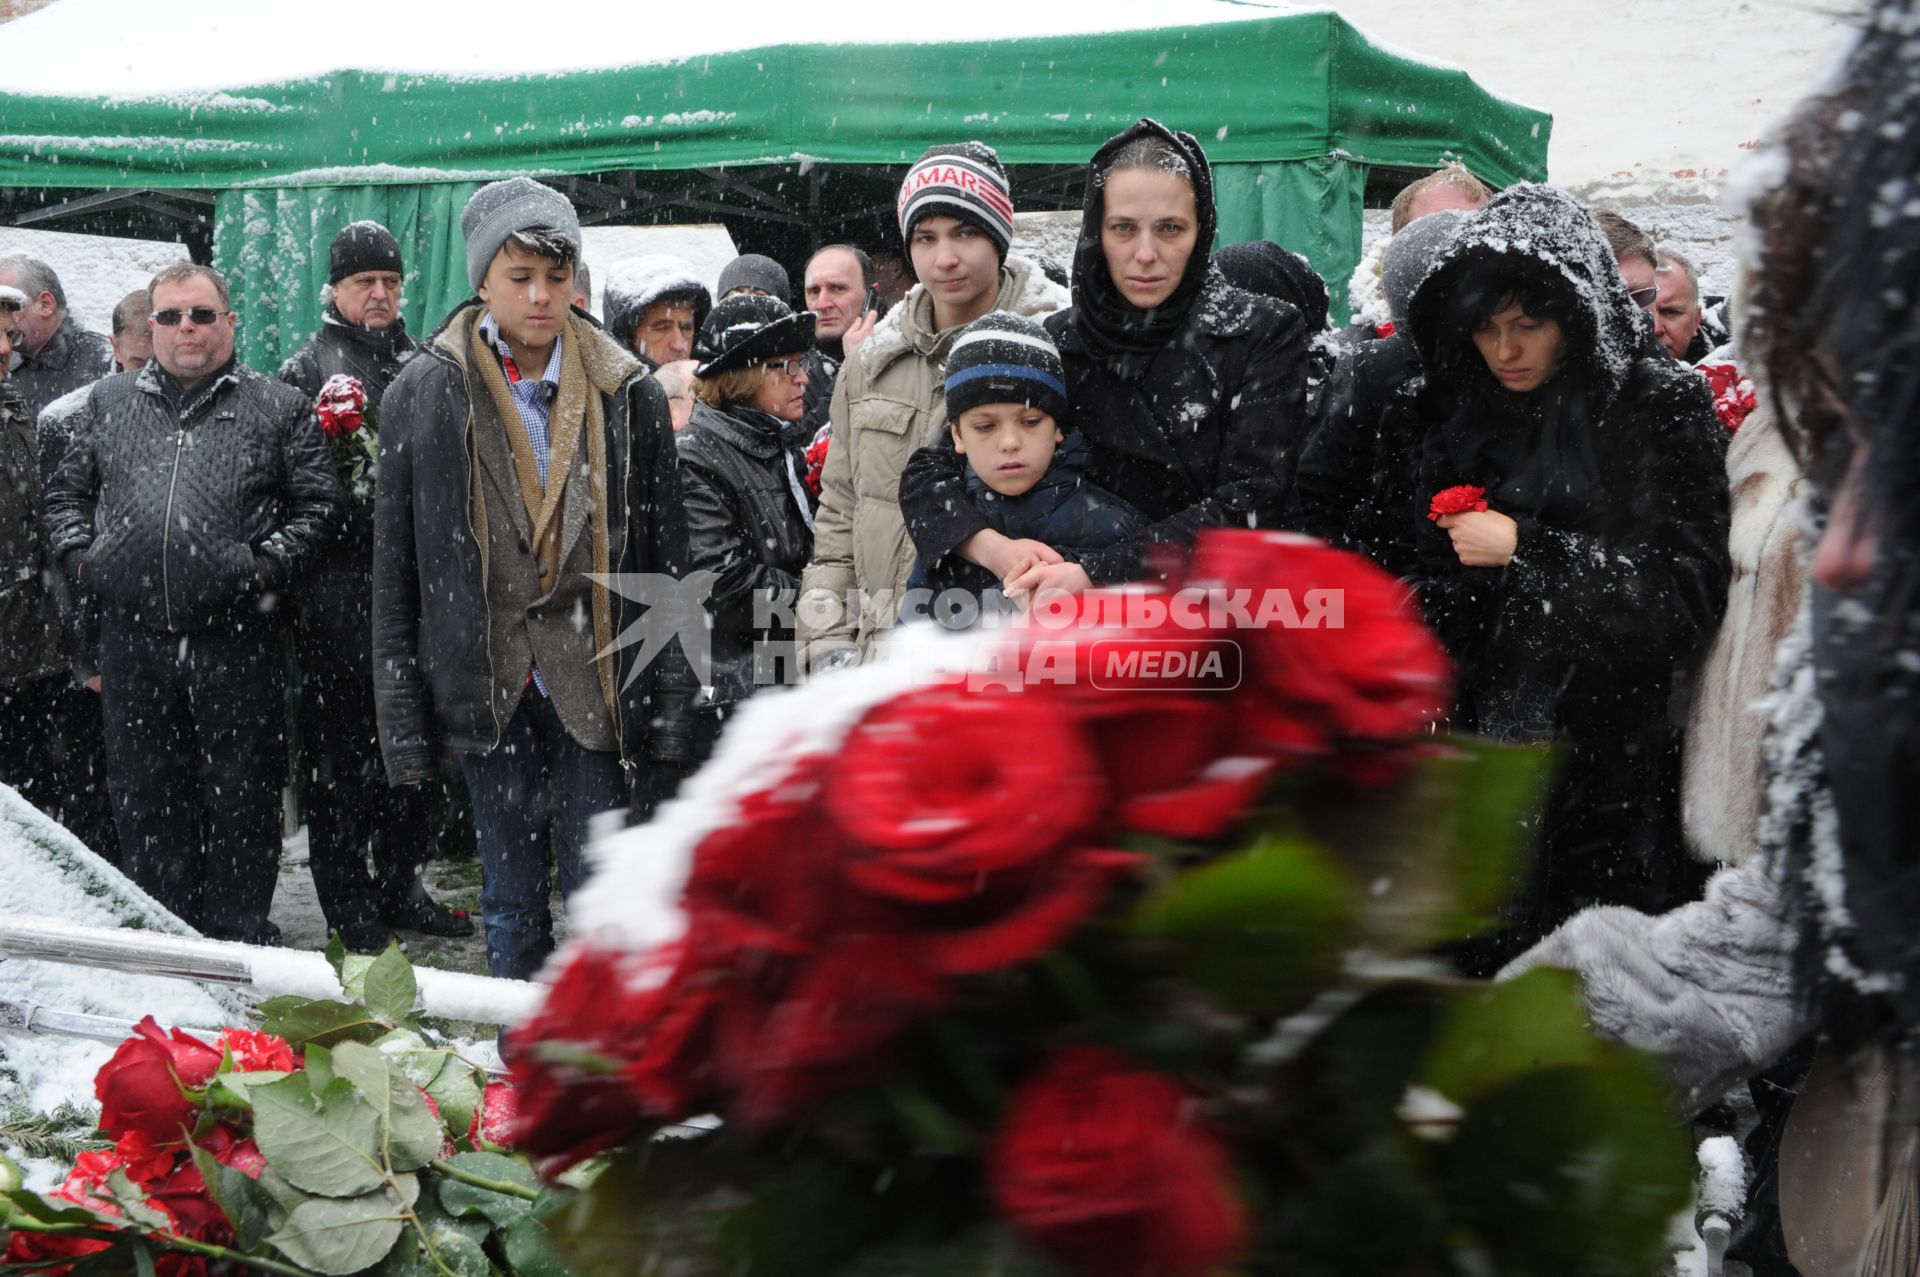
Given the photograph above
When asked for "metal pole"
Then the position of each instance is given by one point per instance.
(268, 971)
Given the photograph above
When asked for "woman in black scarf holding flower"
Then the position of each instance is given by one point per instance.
(1577, 602)
(1190, 392)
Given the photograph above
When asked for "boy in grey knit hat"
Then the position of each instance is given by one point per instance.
(527, 461)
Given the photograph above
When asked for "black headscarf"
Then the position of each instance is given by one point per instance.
(1119, 334)
(1264, 267)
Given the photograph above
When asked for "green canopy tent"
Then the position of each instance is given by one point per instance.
(789, 144)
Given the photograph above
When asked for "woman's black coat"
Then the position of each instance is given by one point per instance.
(745, 523)
(1588, 636)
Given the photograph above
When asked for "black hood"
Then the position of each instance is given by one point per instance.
(1543, 237)
(1264, 267)
(1113, 327)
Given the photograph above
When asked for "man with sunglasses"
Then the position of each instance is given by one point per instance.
(1633, 253)
(198, 492)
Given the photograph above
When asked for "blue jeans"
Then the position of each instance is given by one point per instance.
(536, 790)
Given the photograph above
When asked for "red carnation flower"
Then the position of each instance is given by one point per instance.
(1107, 1166)
(493, 1118)
(1733, 394)
(342, 406)
(817, 461)
(255, 1052)
(140, 1086)
(1463, 498)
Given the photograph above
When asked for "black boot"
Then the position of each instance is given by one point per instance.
(415, 910)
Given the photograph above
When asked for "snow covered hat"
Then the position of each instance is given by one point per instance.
(1411, 254)
(965, 180)
(363, 246)
(746, 329)
(1005, 358)
(498, 209)
(636, 283)
(751, 270)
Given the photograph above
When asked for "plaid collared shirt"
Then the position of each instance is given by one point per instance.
(533, 400)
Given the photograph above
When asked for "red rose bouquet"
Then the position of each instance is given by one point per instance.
(1090, 945)
(348, 425)
(337, 1138)
(1733, 393)
(1462, 498)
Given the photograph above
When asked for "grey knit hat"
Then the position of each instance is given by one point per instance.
(498, 209)
(1411, 254)
(751, 270)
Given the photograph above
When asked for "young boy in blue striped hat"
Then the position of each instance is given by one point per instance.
(1007, 414)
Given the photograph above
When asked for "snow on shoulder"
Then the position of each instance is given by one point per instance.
(91, 48)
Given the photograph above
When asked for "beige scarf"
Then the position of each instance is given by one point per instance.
(589, 369)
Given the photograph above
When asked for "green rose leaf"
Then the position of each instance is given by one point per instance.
(1264, 929)
(1520, 1026)
(336, 952)
(1576, 1169)
(389, 987)
(407, 1051)
(338, 1235)
(245, 1203)
(366, 1068)
(457, 1090)
(463, 1255)
(498, 1208)
(319, 1067)
(1440, 852)
(123, 1190)
(232, 1090)
(414, 1134)
(325, 1023)
(327, 1144)
(531, 1252)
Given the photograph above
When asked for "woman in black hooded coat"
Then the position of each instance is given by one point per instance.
(1190, 409)
(1577, 603)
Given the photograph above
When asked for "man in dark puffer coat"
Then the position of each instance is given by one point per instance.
(212, 493)
(349, 804)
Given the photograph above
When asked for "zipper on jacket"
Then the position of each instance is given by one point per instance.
(166, 531)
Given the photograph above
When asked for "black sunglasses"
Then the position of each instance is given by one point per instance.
(201, 315)
(1643, 297)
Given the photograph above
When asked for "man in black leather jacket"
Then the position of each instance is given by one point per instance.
(350, 807)
(196, 494)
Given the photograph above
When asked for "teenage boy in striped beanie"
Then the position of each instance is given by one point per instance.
(956, 219)
(1006, 396)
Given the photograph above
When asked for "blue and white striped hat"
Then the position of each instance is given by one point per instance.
(1004, 358)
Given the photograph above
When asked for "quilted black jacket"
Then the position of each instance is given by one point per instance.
(206, 505)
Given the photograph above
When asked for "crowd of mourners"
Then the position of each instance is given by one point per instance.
(436, 521)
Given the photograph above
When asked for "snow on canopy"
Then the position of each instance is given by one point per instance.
(434, 92)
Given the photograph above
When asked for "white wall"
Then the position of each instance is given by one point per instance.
(95, 270)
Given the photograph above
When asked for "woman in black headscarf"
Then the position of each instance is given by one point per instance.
(1190, 392)
(1597, 569)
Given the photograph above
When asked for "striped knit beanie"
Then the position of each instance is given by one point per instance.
(966, 181)
(1005, 358)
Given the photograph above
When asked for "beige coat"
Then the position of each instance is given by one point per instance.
(1723, 787)
(888, 402)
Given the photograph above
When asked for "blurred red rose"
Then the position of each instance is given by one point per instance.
(139, 1087)
(342, 406)
(1358, 665)
(1106, 1165)
(254, 1052)
(940, 789)
(569, 1061)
